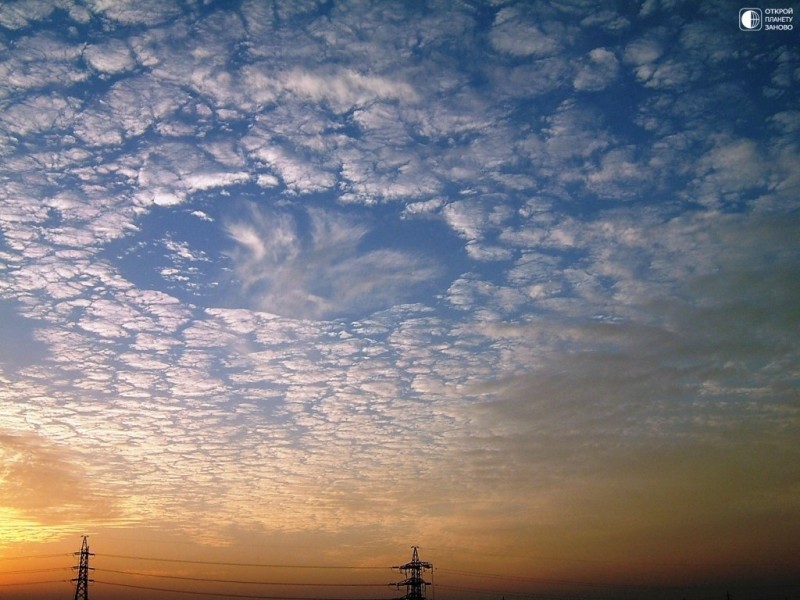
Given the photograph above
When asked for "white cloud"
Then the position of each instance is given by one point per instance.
(619, 175)
(572, 131)
(608, 19)
(258, 18)
(137, 103)
(130, 12)
(786, 121)
(321, 275)
(202, 216)
(176, 170)
(484, 252)
(597, 72)
(521, 34)
(424, 207)
(20, 14)
(644, 51)
(346, 89)
(534, 78)
(733, 165)
(474, 218)
(298, 174)
(399, 113)
(113, 56)
(25, 69)
(40, 113)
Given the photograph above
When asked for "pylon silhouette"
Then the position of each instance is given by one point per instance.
(414, 581)
(82, 580)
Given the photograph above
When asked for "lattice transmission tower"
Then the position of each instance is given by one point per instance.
(83, 568)
(414, 581)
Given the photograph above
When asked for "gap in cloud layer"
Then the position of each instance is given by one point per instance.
(296, 260)
(178, 250)
(316, 263)
(25, 347)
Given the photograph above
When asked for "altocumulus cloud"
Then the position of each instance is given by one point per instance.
(459, 270)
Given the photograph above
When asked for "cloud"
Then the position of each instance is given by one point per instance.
(732, 166)
(175, 170)
(587, 299)
(619, 175)
(40, 113)
(299, 169)
(113, 56)
(521, 34)
(572, 131)
(532, 79)
(597, 72)
(607, 19)
(321, 274)
(136, 12)
(44, 482)
(129, 109)
(423, 208)
(18, 15)
(25, 69)
(644, 50)
(474, 218)
(347, 88)
(683, 385)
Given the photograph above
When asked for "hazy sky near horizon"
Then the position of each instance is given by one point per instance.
(515, 277)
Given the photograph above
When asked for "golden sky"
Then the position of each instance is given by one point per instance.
(287, 288)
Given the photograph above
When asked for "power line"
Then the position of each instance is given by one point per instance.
(522, 579)
(246, 582)
(50, 570)
(602, 588)
(226, 594)
(31, 556)
(34, 582)
(492, 592)
(601, 561)
(236, 564)
(591, 584)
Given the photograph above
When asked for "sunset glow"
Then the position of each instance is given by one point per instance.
(290, 287)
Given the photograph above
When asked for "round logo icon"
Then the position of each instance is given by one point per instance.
(750, 19)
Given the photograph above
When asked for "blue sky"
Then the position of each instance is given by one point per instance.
(515, 276)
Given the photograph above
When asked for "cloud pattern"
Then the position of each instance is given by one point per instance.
(282, 265)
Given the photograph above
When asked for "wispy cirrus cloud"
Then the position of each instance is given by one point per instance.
(317, 269)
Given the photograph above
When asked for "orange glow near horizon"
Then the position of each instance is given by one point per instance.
(125, 566)
(290, 287)
(604, 531)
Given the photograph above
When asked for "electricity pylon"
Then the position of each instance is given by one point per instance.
(414, 581)
(82, 580)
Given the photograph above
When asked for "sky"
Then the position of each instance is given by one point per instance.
(307, 283)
